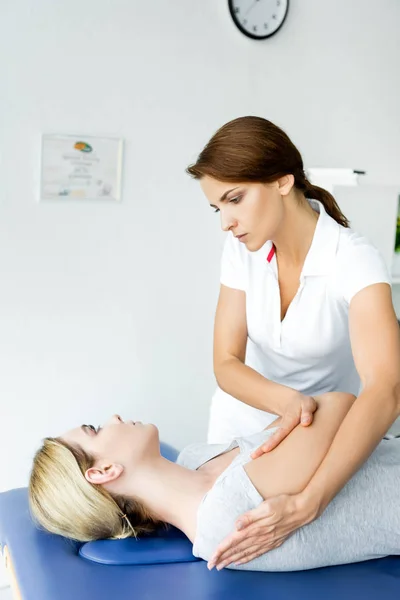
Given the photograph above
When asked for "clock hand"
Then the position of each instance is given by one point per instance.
(251, 7)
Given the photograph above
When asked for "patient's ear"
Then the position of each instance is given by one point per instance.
(104, 473)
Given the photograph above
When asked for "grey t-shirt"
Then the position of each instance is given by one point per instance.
(361, 523)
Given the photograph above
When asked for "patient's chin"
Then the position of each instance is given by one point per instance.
(155, 432)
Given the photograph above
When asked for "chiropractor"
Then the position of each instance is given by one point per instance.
(305, 307)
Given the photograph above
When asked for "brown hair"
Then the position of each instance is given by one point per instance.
(254, 149)
(62, 501)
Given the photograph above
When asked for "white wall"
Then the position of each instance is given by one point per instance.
(372, 211)
(109, 308)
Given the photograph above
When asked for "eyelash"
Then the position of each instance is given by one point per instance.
(95, 429)
(235, 200)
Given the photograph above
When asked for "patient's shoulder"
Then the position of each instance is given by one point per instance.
(189, 456)
(195, 455)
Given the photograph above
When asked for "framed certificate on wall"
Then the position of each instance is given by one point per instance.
(81, 168)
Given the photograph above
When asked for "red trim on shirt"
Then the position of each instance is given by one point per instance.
(271, 253)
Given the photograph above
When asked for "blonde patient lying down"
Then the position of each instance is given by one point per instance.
(113, 483)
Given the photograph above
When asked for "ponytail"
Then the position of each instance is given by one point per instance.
(317, 193)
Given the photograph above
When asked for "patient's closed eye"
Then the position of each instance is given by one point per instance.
(93, 428)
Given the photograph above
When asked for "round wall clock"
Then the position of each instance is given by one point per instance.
(258, 19)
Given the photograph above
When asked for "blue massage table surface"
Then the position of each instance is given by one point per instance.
(48, 567)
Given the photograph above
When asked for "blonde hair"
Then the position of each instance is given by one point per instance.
(62, 501)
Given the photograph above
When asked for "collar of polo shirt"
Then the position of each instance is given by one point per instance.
(322, 252)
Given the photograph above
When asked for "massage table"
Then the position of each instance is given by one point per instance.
(43, 566)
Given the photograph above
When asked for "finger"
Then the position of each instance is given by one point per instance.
(241, 542)
(246, 520)
(257, 453)
(313, 404)
(259, 552)
(261, 520)
(260, 546)
(226, 555)
(306, 418)
(308, 408)
(243, 548)
(256, 520)
(242, 555)
(275, 439)
(249, 557)
(224, 547)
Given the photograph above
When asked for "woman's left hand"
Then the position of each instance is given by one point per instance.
(263, 529)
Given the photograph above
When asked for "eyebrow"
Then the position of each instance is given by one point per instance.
(224, 195)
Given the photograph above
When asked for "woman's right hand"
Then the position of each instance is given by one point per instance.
(300, 410)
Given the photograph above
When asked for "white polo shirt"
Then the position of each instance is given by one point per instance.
(310, 349)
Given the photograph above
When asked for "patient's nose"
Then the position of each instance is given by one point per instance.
(115, 419)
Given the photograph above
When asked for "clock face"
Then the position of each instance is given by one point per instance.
(258, 19)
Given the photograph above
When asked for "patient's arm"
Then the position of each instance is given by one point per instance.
(289, 467)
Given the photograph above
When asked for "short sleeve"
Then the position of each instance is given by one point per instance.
(360, 265)
(232, 267)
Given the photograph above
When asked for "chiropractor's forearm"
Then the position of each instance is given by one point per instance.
(289, 467)
(362, 429)
(245, 384)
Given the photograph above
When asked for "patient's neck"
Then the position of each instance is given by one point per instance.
(172, 492)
